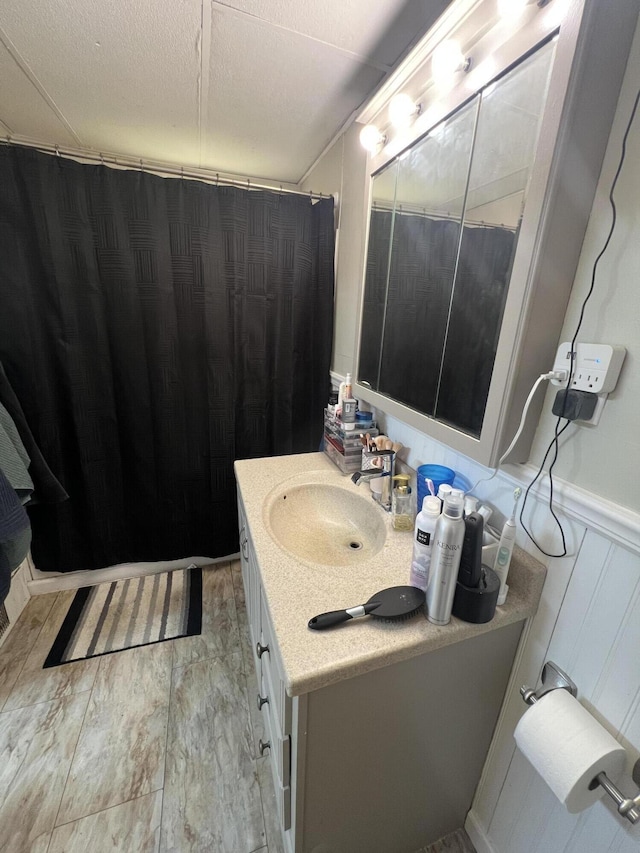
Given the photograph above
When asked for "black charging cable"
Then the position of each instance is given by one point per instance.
(557, 432)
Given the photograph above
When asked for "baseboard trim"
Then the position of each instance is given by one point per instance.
(17, 599)
(476, 833)
(76, 580)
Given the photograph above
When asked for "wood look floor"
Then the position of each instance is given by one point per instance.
(149, 750)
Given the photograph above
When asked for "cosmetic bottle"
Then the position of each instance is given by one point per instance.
(448, 537)
(401, 513)
(423, 541)
(348, 389)
(348, 415)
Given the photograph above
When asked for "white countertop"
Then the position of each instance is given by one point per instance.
(295, 590)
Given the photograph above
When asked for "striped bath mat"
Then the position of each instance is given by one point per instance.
(114, 616)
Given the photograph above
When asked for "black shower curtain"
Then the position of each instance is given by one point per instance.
(155, 330)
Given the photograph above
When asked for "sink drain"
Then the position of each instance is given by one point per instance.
(355, 545)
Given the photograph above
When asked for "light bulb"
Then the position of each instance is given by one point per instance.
(511, 9)
(402, 108)
(482, 74)
(371, 138)
(448, 58)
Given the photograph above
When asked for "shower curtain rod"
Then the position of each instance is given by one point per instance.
(158, 168)
(449, 217)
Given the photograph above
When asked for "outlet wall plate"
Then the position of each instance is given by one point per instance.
(596, 367)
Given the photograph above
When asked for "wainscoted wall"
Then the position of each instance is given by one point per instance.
(589, 624)
(596, 640)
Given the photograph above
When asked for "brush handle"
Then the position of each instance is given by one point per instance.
(337, 617)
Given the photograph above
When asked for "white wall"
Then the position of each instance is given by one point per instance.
(589, 617)
(343, 170)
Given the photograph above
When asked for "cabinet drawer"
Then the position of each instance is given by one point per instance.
(280, 701)
(280, 750)
(279, 758)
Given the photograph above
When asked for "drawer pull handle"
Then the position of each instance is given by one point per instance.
(262, 700)
(260, 649)
(263, 745)
(244, 540)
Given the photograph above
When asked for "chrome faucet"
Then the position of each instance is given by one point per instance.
(387, 459)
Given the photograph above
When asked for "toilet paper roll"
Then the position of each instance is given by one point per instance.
(568, 748)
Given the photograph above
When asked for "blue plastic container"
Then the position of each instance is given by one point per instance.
(438, 474)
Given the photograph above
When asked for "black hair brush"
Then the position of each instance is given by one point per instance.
(396, 602)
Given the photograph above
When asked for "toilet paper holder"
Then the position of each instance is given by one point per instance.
(553, 678)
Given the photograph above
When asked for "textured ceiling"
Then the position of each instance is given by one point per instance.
(249, 87)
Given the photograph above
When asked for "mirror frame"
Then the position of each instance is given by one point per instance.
(591, 52)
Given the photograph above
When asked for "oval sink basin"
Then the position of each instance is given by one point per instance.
(325, 524)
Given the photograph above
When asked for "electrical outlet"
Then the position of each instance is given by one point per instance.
(596, 367)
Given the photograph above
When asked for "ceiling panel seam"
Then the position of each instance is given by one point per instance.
(356, 57)
(204, 76)
(23, 65)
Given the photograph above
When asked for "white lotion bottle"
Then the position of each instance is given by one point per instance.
(448, 537)
(423, 540)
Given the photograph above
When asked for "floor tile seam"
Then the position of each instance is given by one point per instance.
(21, 765)
(262, 799)
(215, 656)
(143, 793)
(51, 698)
(49, 842)
(236, 620)
(73, 757)
(24, 662)
(106, 809)
(6, 699)
(44, 701)
(166, 745)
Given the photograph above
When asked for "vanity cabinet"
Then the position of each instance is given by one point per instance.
(382, 762)
(272, 700)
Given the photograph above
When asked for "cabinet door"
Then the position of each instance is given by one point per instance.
(251, 582)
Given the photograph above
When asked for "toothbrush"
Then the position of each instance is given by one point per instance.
(505, 548)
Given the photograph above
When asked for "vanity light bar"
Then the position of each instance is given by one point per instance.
(441, 50)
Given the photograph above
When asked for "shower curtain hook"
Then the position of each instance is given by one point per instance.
(57, 151)
(101, 159)
(217, 178)
(248, 184)
(141, 165)
(182, 172)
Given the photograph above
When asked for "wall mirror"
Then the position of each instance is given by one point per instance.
(443, 230)
(476, 215)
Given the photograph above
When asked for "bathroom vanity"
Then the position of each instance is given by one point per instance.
(377, 732)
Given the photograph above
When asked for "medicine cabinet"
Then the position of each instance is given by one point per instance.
(477, 209)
